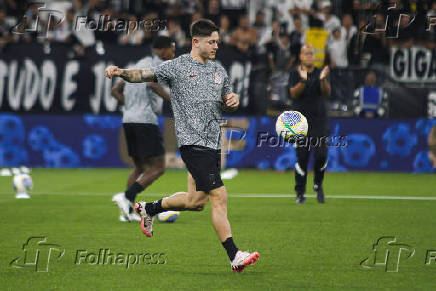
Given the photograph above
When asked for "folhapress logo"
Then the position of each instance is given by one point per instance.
(107, 257)
(387, 253)
(32, 23)
(37, 254)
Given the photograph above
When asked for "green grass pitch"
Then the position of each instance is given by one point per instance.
(301, 246)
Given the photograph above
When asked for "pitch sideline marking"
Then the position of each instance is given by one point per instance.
(249, 195)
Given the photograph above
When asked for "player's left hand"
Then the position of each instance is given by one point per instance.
(324, 73)
(231, 101)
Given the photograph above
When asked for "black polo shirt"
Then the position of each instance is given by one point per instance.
(311, 103)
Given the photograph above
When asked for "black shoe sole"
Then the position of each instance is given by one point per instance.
(321, 199)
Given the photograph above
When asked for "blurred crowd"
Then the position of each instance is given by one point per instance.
(276, 27)
(345, 33)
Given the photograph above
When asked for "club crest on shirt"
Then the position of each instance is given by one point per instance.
(218, 79)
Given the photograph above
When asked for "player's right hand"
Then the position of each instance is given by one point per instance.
(303, 73)
(113, 71)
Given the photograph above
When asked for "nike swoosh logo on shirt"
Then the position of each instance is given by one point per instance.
(192, 76)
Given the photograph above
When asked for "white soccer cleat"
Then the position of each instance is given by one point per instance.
(242, 260)
(123, 218)
(131, 217)
(134, 217)
(22, 195)
(229, 174)
(123, 203)
(146, 219)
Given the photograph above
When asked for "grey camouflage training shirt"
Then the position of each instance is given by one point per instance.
(196, 98)
(141, 104)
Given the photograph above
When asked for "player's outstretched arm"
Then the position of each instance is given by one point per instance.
(131, 76)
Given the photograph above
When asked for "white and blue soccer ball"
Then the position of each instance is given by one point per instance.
(168, 216)
(22, 183)
(291, 123)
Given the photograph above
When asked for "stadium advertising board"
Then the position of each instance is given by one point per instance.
(39, 79)
(56, 141)
(415, 64)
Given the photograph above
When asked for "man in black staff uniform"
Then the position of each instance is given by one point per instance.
(308, 87)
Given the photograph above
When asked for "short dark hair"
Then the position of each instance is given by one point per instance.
(203, 27)
(162, 42)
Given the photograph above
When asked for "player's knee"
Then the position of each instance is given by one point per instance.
(194, 203)
(198, 205)
(159, 171)
(223, 199)
(140, 164)
(200, 208)
(320, 157)
(220, 199)
(156, 172)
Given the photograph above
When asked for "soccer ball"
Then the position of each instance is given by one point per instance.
(168, 216)
(291, 123)
(22, 183)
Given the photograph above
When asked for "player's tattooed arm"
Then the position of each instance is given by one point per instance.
(138, 76)
(131, 76)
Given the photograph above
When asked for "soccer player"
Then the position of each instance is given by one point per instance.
(308, 87)
(142, 104)
(200, 90)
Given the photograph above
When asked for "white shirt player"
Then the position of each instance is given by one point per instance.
(141, 104)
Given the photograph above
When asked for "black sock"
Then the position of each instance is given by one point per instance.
(230, 247)
(133, 190)
(154, 207)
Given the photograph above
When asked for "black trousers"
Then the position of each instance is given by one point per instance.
(318, 145)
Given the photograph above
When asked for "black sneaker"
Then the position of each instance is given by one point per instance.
(319, 193)
(300, 199)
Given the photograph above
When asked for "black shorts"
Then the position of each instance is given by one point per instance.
(144, 140)
(204, 164)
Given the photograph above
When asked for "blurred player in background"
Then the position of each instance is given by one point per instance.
(200, 91)
(308, 86)
(142, 103)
